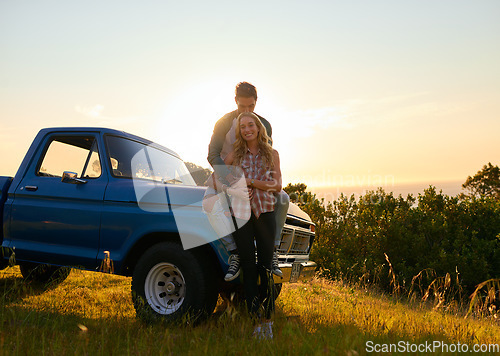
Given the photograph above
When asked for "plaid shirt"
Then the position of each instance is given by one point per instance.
(253, 168)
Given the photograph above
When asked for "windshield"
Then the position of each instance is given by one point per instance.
(132, 159)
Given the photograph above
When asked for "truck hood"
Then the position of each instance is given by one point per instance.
(295, 211)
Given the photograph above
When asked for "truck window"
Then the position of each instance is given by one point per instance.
(131, 159)
(72, 153)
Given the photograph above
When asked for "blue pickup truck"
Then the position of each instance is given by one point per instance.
(90, 197)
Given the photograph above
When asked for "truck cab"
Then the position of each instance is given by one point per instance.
(86, 195)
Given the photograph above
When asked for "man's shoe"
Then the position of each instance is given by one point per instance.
(234, 268)
(276, 268)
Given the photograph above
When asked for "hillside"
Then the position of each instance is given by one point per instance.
(92, 313)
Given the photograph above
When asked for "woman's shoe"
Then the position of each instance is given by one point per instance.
(257, 332)
(267, 330)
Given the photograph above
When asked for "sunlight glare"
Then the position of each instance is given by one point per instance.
(188, 120)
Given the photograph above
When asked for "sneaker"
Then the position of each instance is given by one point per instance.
(234, 268)
(257, 332)
(276, 268)
(263, 331)
(267, 330)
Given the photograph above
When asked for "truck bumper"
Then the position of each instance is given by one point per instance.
(296, 271)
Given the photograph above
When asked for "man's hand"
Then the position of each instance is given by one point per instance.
(231, 179)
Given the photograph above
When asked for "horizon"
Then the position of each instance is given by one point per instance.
(331, 193)
(403, 91)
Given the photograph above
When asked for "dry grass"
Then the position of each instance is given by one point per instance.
(92, 313)
(380, 317)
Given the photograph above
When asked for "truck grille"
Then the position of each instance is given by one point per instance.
(294, 241)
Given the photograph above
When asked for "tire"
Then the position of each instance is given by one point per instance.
(233, 294)
(44, 274)
(3, 264)
(170, 284)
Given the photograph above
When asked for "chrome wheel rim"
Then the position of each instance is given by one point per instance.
(165, 288)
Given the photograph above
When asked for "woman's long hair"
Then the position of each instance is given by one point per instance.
(240, 145)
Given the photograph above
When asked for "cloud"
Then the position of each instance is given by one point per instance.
(96, 113)
(399, 98)
(403, 109)
(304, 123)
(326, 117)
(399, 109)
(407, 109)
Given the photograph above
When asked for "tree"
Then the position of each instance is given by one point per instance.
(308, 202)
(297, 193)
(199, 174)
(486, 182)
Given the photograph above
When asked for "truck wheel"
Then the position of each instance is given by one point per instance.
(45, 274)
(170, 283)
(233, 294)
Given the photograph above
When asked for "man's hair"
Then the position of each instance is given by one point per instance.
(246, 90)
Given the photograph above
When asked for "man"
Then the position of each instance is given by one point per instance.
(220, 145)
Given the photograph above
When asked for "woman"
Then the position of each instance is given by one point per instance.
(261, 166)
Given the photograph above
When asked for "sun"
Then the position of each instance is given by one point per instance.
(188, 118)
(187, 121)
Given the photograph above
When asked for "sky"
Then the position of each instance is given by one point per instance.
(357, 92)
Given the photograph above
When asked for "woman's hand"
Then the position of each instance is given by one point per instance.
(250, 193)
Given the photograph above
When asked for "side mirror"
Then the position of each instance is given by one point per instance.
(71, 178)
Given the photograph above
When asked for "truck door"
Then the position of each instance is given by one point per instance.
(56, 221)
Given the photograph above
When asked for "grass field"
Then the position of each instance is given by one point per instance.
(92, 314)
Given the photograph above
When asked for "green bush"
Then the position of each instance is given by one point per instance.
(357, 239)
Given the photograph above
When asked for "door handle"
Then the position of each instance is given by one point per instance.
(31, 188)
